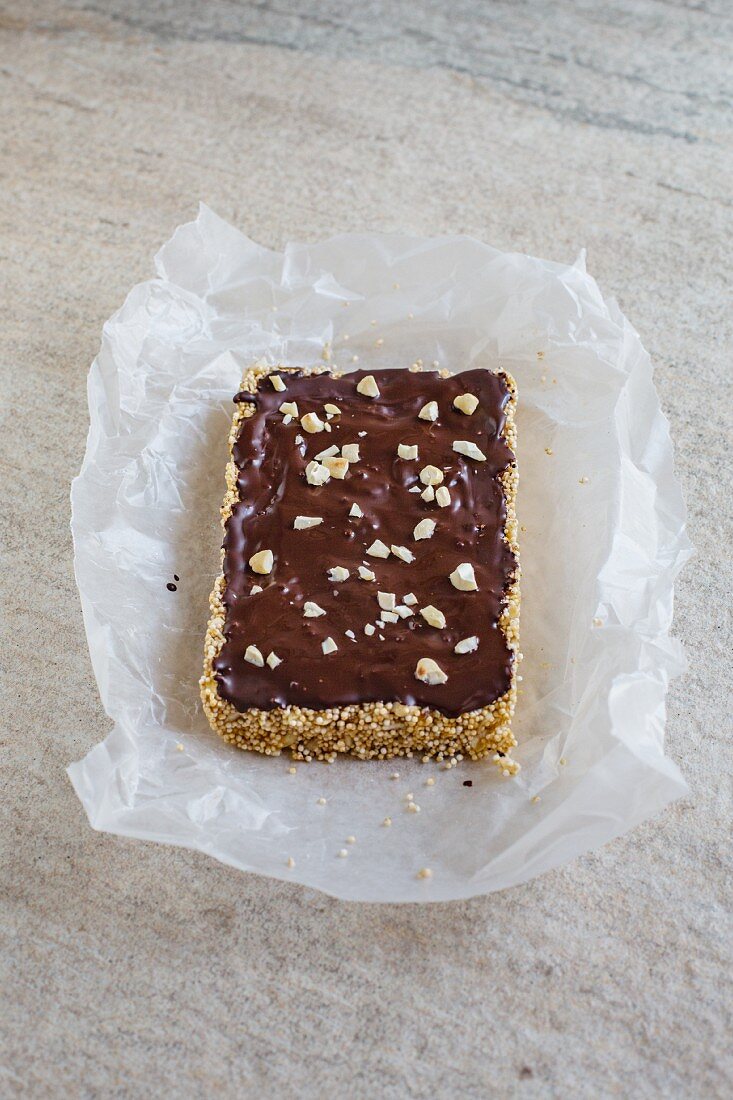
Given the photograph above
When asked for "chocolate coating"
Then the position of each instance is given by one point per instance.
(273, 490)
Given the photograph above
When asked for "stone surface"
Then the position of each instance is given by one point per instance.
(139, 970)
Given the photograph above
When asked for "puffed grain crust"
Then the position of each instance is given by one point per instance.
(368, 730)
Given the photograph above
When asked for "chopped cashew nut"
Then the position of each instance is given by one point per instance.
(302, 523)
(469, 449)
(432, 616)
(338, 573)
(368, 387)
(328, 453)
(350, 451)
(386, 600)
(431, 475)
(428, 493)
(378, 550)
(312, 610)
(331, 410)
(277, 383)
(312, 423)
(429, 671)
(466, 403)
(414, 489)
(289, 408)
(369, 629)
(403, 611)
(355, 511)
(442, 497)
(337, 467)
(406, 450)
(429, 411)
(388, 617)
(316, 474)
(402, 553)
(366, 574)
(463, 578)
(424, 529)
(273, 660)
(350, 634)
(261, 562)
(253, 655)
(466, 645)
(410, 599)
(329, 646)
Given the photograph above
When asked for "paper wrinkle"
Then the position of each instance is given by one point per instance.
(590, 719)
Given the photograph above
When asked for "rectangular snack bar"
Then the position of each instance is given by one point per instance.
(369, 595)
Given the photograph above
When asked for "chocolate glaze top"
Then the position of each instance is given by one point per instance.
(273, 490)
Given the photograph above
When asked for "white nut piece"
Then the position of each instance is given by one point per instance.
(378, 549)
(442, 497)
(316, 474)
(350, 634)
(289, 408)
(311, 610)
(369, 629)
(256, 588)
(386, 600)
(388, 617)
(261, 562)
(355, 511)
(414, 489)
(463, 578)
(407, 450)
(428, 494)
(469, 449)
(466, 645)
(431, 475)
(327, 453)
(328, 646)
(466, 403)
(433, 617)
(410, 599)
(331, 410)
(429, 411)
(302, 523)
(350, 451)
(338, 467)
(366, 574)
(312, 423)
(402, 553)
(277, 383)
(403, 611)
(273, 660)
(424, 529)
(368, 386)
(430, 672)
(253, 655)
(337, 573)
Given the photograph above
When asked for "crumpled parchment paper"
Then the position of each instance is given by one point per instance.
(603, 538)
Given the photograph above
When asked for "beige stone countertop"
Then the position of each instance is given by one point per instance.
(138, 970)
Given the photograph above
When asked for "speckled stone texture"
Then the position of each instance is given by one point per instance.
(135, 970)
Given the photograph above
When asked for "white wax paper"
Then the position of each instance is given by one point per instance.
(599, 560)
